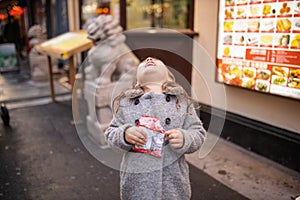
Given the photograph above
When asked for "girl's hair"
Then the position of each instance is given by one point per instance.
(138, 90)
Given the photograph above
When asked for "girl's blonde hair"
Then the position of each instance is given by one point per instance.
(138, 91)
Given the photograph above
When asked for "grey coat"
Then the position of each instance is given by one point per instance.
(144, 176)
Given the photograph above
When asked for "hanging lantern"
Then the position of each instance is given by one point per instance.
(2, 16)
(16, 11)
(102, 11)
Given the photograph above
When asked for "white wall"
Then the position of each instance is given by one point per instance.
(278, 111)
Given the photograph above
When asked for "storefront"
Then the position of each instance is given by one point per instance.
(136, 14)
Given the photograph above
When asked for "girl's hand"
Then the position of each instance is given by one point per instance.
(176, 138)
(136, 136)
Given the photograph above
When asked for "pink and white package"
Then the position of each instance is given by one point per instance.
(155, 136)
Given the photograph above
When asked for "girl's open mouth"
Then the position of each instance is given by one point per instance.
(150, 63)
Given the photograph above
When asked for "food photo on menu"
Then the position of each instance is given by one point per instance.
(229, 13)
(263, 86)
(229, 2)
(241, 12)
(226, 51)
(239, 39)
(296, 25)
(294, 80)
(282, 40)
(267, 25)
(233, 75)
(248, 83)
(253, 25)
(269, 10)
(228, 26)
(248, 77)
(263, 80)
(240, 25)
(227, 39)
(297, 8)
(295, 41)
(263, 74)
(249, 72)
(285, 9)
(279, 75)
(283, 25)
(255, 11)
(266, 40)
(252, 39)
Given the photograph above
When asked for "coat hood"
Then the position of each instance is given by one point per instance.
(169, 88)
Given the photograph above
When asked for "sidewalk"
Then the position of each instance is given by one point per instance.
(18, 86)
(42, 157)
(252, 175)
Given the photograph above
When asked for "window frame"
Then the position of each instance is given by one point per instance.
(189, 30)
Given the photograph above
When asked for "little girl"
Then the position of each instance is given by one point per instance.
(144, 176)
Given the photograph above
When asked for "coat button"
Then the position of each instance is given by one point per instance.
(136, 101)
(168, 121)
(168, 98)
(136, 122)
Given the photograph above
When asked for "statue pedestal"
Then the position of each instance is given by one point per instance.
(38, 66)
(99, 100)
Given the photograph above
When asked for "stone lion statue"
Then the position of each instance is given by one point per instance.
(110, 57)
(107, 61)
(38, 62)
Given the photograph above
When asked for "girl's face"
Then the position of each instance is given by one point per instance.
(152, 70)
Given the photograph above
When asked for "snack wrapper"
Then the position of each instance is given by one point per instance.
(155, 136)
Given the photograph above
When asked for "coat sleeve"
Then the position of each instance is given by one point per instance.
(193, 131)
(114, 134)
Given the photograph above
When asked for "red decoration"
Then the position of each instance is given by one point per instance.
(2, 16)
(16, 10)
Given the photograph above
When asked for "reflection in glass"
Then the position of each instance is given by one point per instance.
(90, 9)
(157, 13)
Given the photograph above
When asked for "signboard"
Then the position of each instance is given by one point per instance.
(66, 45)
(259, 45)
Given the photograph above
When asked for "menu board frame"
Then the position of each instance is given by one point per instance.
(258, 46)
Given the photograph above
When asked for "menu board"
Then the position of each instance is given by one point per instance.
(259, 45)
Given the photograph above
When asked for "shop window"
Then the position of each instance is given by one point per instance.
(93, 8)
(173, 14)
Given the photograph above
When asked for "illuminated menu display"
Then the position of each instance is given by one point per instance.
(259, 45)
